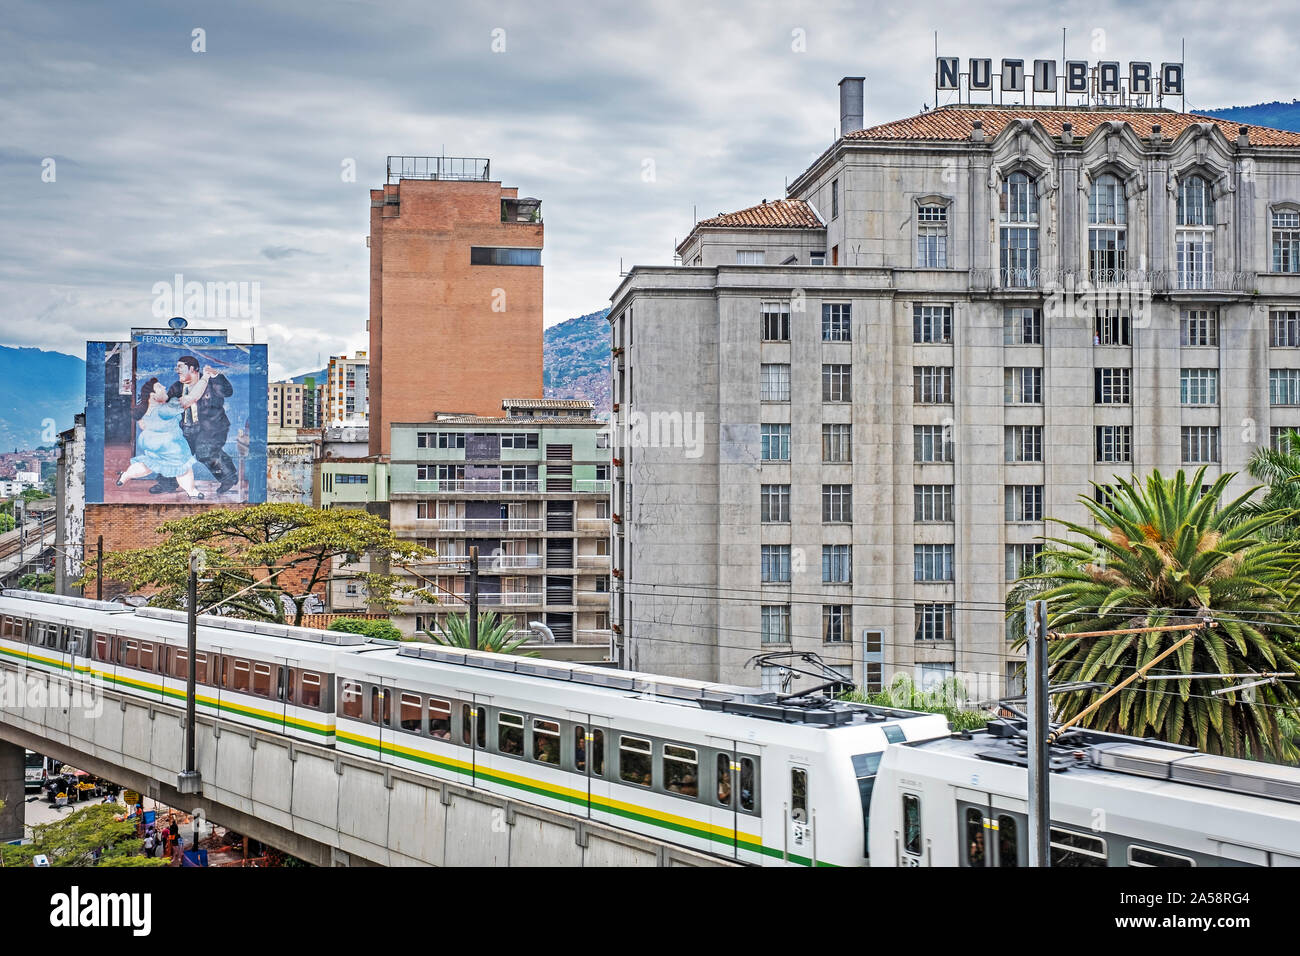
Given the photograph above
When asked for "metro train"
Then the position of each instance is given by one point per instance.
(728, 771)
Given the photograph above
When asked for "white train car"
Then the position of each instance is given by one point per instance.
(717, 769)
(1115, 801)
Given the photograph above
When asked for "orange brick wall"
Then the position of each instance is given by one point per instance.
(436, 345)
(128, 526)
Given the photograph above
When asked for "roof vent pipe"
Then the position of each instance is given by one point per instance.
(851, 89)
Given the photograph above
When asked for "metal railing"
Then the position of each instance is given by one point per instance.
(593, 524)
(485, 524)
(438, 167)
(493, 486)
(1136, 280)
(596, 485)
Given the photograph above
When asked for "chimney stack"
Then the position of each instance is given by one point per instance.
(1067, 133)
(1243, 136)
(851, 104)
(1157, 133)
(977, 131)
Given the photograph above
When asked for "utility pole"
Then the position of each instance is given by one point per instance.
(1038, 728)
(20, 522)
(99, 568)
(473, 597)
(188, 780)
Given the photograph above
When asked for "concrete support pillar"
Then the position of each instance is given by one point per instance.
(12, 792)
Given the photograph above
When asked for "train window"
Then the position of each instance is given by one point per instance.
(465, 721)
(439, 719)
(1008, 841)
(381, 706)
(724, 779)
(864, 768)
(546, 741)
(1142, 856)
(598, 752)
(480, 727)
(147, 657)
(894, 733)
(681, 770)
(261, 682)
(130, 654)
(1077, 849)
(6, 626)
(283, 684)
(79, 643)
(580, 749)
(408, 712)
(350, 700)
(912, 824)
(309, 689)
(974, 837)
(103, 647)
(239, 674)
(201, 669)
(634, 760)
(510, 734)
(798, 795)
(747, 776)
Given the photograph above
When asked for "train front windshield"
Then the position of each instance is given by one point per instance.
(864, 768)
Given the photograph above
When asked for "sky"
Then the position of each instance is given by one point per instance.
(134, 149)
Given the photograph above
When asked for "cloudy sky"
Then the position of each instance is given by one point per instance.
(230, 163)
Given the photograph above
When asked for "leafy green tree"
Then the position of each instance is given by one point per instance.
(1279, 469)
(37, 581)
(947, 697)
(32, 494)
(264, 559)
(1165, 553)
(73, 840)
(6, 522)
(370, 627)
(494, 633)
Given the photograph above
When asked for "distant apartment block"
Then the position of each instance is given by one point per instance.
(347, 390)
(455, 293)
(285, 405)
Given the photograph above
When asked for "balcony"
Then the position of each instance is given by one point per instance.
(599, 486)
(479, 486)
(1083, 282)
(498, 599)
(593, 561)
(481, 524)
(521, 210)
(593, 524)
(593, 598)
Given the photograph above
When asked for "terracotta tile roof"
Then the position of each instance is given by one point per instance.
(777, 214)
(577, 403)
(954, 123)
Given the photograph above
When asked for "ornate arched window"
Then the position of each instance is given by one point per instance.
(1107, 229)
(1285, 222)
(1195, 233)
(1018, 235)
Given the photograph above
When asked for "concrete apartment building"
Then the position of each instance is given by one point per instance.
(950, 327)
(530, 491)
(347, 390)
(285, 405)
(455, 293)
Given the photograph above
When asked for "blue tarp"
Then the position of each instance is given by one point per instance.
(194, 858)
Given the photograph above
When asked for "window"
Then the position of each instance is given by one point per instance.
(817, 258)
(598, 753)
(775, 563)
(837, 563)
(776, 442)
(634, 761)
(1024, 502)
(837, 443)
(1284, 386)
(1104, 495)
(931, 443)
(1286, 240)
(932, 502)
(1144, 856)
(308, 689)
(912, 824)
(724, 780)
(749, 257)
(1112, 328)
(439, 719)
(483, 256)
(681, 770)
(837, 503)
(798, 795)
(1021, 326)
(1199, 386)
(835, 199)
(932, 384)
(776, 623)
(1008, 850)
(836, 383)
(1200, 444)
(1107, 232)
(1284, 329)
(836, 318)
(580, 749)
(775, 503)
(1022, 559)
(932, 237)
(1111, 386)
(1279, 439)
(748, 776)
(775, 385)
(1022, 386)
(934, 622)
(529, 439)
(352, 704)
(409, 717)
(932, 562)
(932, 324)
(776, 321)
(1018, 237)
(1023, 443)
(1194, 236)
(1114, 443)
(836, 626)
(1199, 327)
(546, 741)
(974, 838)
(1072, 849)
(510, 734)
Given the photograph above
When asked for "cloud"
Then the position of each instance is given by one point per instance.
(282, 252)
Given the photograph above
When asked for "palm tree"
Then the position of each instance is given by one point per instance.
(494, 634)
(1279, 469)
(1166, 553)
